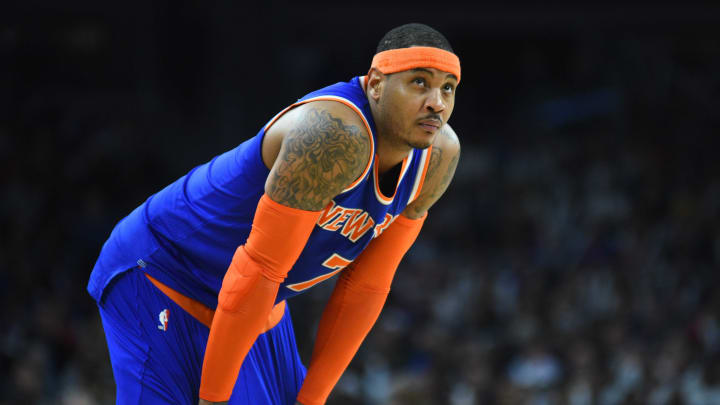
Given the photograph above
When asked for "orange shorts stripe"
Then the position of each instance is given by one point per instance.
(204, 314)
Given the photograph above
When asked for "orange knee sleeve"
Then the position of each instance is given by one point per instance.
(249, 289)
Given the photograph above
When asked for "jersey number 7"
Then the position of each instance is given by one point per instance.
(335, 263)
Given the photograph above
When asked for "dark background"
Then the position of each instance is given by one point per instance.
(574, 259)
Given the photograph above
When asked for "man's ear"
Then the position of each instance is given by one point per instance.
(375, 83)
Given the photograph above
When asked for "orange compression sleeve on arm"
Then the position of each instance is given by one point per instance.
(249, 289)
(354, 306)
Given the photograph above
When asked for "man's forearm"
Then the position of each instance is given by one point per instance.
(249, 291)
(354, 306)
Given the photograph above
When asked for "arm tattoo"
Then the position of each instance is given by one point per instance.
(434, 186)
(449, 173)
(318, 159)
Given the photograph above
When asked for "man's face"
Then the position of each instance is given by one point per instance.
(416, 103)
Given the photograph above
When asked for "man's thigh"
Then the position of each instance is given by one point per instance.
(156, 348)
(272, 372)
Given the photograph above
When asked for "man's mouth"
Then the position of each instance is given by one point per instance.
(430, 125)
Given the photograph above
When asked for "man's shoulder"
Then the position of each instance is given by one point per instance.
(325, 148)
(337, 114)
(447, 139)
(351, 90)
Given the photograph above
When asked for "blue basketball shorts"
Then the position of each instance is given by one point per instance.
(157, 349)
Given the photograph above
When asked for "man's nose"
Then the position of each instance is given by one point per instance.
(435, 102)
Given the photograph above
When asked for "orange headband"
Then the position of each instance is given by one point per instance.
(397, 60)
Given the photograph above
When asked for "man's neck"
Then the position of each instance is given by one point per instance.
(389, 155)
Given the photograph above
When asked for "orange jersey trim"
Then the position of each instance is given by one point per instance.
(205, 315)
(380, 196)
(354, 108)
(420, 180)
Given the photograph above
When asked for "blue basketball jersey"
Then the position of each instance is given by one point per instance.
(186, 234)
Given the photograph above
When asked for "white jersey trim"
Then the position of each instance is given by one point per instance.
(418, 176)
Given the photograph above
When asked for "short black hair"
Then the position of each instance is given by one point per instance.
(413, 34)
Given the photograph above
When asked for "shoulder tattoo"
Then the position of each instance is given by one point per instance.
(319, 158)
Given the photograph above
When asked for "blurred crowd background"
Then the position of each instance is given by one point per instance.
(574, 259)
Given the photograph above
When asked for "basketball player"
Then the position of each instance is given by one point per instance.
(192, 285)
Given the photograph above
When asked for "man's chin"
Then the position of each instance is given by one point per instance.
(421, 144)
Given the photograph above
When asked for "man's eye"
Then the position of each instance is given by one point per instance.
(419, 81)
(448, 88)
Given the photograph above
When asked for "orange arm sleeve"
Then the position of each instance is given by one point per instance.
(249, 289)
(354, 306)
